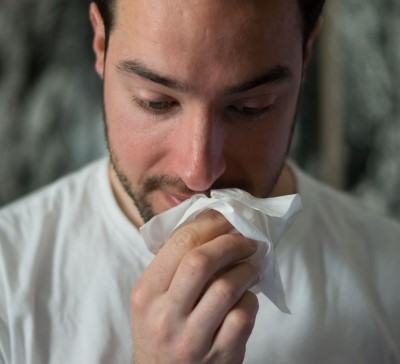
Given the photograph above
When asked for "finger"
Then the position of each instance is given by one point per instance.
(222, 294)
(200, 265)
(159, 274)
(237, 327)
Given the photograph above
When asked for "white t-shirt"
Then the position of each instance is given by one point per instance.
(69, 259)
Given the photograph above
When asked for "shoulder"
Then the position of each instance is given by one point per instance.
(71, 183)
(343, 238)
(347, 236)
(341, 214)
(26, 217)
(343, 251)
(34, 228)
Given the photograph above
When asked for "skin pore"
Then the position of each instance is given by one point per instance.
(199, 95)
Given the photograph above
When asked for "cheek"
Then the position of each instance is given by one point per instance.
(265, 152)
(258, 152)
(133, 140)
(266, 139)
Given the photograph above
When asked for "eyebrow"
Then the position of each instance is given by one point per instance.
(277, 74)
(139, 69)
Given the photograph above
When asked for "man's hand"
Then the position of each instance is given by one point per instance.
(192, 303)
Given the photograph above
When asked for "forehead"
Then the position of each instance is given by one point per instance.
(208, 15)
(198, 34)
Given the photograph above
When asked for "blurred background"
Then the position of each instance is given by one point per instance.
(348, 130)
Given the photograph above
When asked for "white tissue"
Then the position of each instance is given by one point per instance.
(263, 220)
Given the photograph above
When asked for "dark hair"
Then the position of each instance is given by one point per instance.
(107, 10)
(311, 10)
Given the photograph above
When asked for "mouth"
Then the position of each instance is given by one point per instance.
(175, 199)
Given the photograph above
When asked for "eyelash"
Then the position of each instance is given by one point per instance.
(251, 113)
(155, 107)
(163, 107)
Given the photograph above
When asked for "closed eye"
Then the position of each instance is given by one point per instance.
(155, 107)
(251, 113)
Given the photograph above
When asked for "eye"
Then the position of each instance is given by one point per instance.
(159, 105)
(155, 107)
(251, 113)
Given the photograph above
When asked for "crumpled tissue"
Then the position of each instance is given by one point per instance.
(261, 219)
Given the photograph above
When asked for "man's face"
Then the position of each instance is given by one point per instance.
(200, 94)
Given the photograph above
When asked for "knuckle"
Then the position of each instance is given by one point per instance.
(216, 215)
(242, 243)
(185, 239)
(197, 261)
(163, 328)
(140, 297)
(225, 290)
(187, 350)
(243, 319)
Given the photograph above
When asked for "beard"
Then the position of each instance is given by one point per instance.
(148, 184)
(140, 197)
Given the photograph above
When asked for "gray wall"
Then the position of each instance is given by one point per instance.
(50, 115)
(50, 110)
(370, 30)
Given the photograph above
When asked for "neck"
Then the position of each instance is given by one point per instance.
(286, 184)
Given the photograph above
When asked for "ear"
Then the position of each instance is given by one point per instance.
(99, 39)
(310, 43)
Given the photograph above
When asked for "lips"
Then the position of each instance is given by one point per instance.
(175, 199)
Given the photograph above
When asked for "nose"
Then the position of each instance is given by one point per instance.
(200, 144)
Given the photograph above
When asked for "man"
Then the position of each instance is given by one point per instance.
(198, 95)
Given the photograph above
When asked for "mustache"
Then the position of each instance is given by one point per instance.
(153, 183)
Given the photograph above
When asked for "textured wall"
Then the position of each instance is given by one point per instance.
(50, 113)
(370, 32)
(368, 54)
(50, 119)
